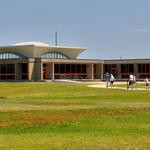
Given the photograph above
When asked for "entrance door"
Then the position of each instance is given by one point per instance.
(45, 71)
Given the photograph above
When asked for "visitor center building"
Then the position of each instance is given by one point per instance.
(35, 61)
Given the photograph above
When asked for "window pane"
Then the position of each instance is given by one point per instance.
(54, 55)
(9, 56)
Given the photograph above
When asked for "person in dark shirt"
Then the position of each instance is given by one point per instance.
(107, 78)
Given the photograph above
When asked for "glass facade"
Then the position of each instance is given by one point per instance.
(111, 68)
(24, 71)
(9, 55)
(54, 55)
(144, 70)
(13, 71)
(124, 71)
(70, 71)
(7, 71)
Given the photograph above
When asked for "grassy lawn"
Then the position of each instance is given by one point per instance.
(64, 116)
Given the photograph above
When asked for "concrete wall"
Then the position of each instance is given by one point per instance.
(51, 71)
(31, 68)
(99, 71)
(90, 71)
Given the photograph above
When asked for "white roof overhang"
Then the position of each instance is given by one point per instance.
(36, 50)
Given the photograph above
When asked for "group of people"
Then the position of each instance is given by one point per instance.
(109, 79)
(131, 82)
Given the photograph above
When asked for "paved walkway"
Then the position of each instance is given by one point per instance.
(103, 85)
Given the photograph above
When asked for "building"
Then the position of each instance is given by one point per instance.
(122, 68)
(39, 61)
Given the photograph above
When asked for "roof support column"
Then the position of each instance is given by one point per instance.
(90, 71)
(102, 71)
(38, 69)
(31, 70)
(35, 69)
(119, 71)
(99, 71)
(51, 71)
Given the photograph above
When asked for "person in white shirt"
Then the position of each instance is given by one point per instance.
(131, 80)
(131, 77)
(111, 80)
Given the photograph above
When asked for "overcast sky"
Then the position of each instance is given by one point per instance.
(109, 29)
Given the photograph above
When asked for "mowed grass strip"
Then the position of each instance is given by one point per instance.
(74, 141)
(63, 91)
(41, 115)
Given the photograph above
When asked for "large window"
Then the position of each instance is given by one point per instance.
(7, 71)
(144, 70)
(126, 69)
(54, 55)
(24, 71)
(9, 55)
(70, 71)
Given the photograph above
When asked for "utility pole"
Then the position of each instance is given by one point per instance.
(55, 38)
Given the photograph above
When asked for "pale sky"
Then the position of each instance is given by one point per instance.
(109, 29)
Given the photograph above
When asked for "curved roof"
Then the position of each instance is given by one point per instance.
(31, 43)
(37, 49)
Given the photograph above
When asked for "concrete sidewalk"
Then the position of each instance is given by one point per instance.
(103, 85)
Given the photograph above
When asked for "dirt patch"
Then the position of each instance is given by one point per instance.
(32, 118)
(107, 111)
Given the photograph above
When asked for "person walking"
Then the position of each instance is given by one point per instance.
(111, 80)
(131, 81)
(146, 82)
(107, 78)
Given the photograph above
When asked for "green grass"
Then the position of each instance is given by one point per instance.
(41, 115)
